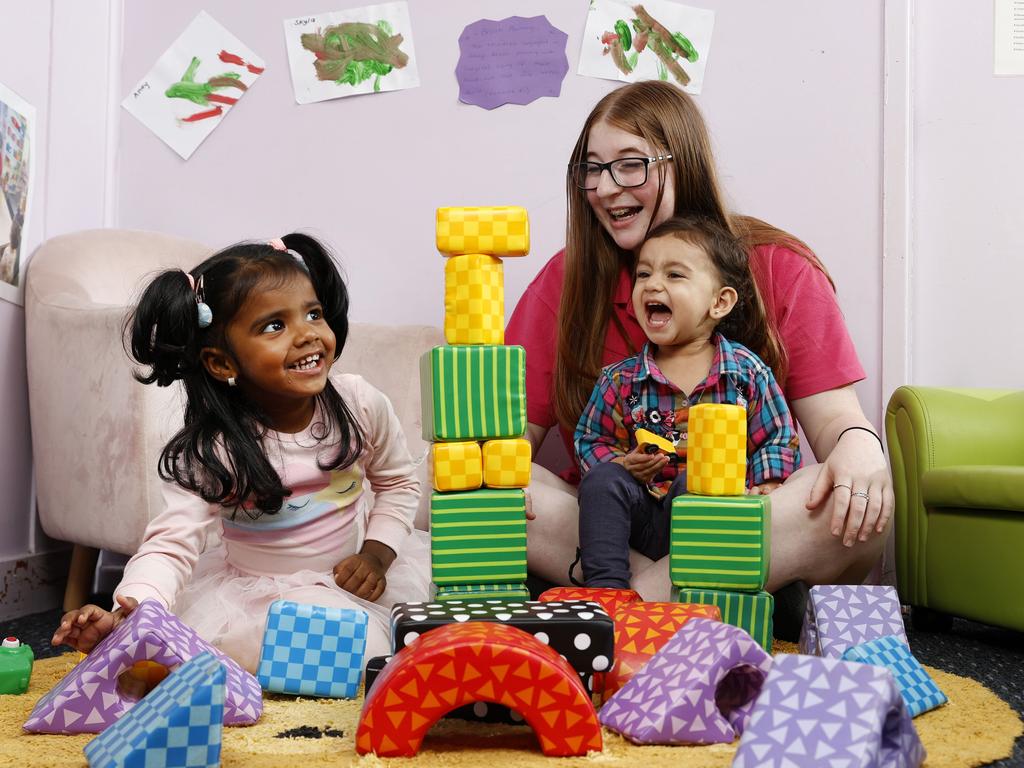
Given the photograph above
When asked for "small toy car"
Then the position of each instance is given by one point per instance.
(652, 443)
(15, 666)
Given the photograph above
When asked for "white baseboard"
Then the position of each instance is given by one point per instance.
(33, 583)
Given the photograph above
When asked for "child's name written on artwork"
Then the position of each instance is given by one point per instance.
(138, 91)
(515, 60)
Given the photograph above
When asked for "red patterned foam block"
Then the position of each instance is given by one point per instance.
(459, 664)
(641, 629)
(609, 599)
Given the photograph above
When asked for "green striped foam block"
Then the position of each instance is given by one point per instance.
(720, 542)
(473, 392)
(478, 537)
(482, 592)
(750, 611)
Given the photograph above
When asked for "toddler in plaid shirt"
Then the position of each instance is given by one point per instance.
(692, 288)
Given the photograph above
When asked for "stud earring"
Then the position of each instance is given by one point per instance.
(232, 382)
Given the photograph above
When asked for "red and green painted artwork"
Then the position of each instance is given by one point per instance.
(354, 52)
(629, 40)
(206, 93)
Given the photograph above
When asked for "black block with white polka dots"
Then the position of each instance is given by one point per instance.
(580, 631)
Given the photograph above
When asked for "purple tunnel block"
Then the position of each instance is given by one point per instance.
(825, 712)
(841, 616)
(698, 689)
(88, 698)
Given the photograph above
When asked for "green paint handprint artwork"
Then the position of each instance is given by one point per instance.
(633, 41)
(350, 52)
(353, 52)
(651, 35)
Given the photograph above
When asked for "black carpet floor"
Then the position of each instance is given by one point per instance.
(993, 657)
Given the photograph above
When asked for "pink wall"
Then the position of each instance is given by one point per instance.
(968, 203)
(793, 93)
(793, 97)
(24, 68)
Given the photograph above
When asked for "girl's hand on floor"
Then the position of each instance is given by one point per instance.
(83, 628)
(363, 575)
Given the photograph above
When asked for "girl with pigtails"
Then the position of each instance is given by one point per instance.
(276, 461)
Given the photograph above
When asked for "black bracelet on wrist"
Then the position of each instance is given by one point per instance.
(865, 429)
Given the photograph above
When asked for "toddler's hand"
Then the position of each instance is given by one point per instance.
(764, 488)
(530, 514)
(643, 466)
(83, 628)
(362, 574)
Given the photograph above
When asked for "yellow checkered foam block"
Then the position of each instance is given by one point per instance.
(496, 231)
(716, 450)
(507, 463)
(474, 300)
(456, 466)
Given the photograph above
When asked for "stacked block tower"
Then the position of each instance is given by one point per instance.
(474, 413)
(720, 542)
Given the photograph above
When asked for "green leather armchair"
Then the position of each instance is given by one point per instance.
(957, 460)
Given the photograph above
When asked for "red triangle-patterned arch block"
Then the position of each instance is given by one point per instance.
(460, 664)
(609, 599)
(641, 629)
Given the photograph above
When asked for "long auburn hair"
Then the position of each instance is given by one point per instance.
(669, 121)
(218, 454)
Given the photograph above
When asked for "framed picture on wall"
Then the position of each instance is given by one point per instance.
(17, 161)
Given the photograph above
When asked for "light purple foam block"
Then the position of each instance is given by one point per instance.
(698, 689)
(822, 712)
(88, 698)
(841, 616)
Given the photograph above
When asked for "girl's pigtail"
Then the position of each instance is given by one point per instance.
(162, 330)
(330, 289)
(327, 282)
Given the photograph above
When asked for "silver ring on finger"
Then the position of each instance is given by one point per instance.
(862, 494)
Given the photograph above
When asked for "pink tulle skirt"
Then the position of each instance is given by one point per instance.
(228, 607)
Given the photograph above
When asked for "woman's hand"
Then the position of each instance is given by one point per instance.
(84, 627)
(857, 477)
(643, 466)
(854, 475)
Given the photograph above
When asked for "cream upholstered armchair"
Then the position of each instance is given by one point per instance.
(96, 432)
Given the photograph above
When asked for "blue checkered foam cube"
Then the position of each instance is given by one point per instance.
(177, 725)
(312, 650)
(920, 693)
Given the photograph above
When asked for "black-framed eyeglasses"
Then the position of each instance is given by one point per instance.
(626, 171)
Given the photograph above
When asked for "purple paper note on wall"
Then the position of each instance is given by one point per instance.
(512, 61)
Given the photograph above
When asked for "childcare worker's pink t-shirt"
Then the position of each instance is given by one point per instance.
(797, 295)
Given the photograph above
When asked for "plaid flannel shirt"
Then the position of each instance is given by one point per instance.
(634, 394)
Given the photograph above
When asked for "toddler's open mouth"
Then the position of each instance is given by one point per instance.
(658, 314)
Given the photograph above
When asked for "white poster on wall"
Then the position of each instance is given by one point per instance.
(17, 168)
(654, 40)
(1008, 37)
(194, 84)
(346, 53)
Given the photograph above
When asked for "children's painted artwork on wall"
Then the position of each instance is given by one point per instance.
(194, 84)
(17, 162)
(651, 40)
(512, 61)
(346, 53)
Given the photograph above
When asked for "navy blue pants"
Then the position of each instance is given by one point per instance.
(616, 513)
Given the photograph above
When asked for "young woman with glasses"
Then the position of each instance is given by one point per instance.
(644, 156)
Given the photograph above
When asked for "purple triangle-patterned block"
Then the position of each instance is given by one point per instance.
(841, 616)
(88, 698)
(698, 689)
(816, 711)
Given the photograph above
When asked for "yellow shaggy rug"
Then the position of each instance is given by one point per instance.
(974, 728)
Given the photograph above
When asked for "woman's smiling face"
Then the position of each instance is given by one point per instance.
(627, 214)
